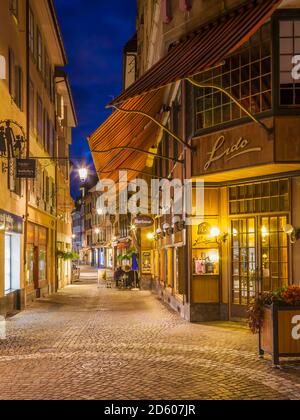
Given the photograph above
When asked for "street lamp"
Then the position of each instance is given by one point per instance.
(83, 174)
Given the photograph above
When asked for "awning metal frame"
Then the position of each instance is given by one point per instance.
(155, 121)
(230, 96)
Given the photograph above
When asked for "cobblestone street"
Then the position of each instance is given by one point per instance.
(96, 343)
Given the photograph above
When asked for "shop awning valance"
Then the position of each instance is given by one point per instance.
(205, 47)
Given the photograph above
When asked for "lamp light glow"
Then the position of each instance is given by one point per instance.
(83, 174)
(215, 232)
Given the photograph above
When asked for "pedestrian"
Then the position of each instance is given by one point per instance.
(118, 274)
(2, 142)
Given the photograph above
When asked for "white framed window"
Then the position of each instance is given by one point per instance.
(12, 262)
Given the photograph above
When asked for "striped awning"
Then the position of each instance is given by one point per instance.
(201, 50)
(126, 130)
(205, 47)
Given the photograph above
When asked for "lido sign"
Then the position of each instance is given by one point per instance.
(221, 150)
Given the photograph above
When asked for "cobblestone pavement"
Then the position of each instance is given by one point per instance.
(96, 343)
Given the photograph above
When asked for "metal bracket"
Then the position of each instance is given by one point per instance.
(133, 111)
(220, 89)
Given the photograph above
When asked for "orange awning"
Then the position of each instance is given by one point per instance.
(201, 50)
(126, 130)
(205, 47)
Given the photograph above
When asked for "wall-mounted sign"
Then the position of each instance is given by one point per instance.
(239, 147)
(221, 150)
(10, 222)
(2, 68)
(26, 169)
(147, 262)
(142, 222)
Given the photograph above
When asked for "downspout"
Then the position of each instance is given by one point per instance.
(27, 141)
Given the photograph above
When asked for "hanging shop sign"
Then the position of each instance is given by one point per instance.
(10, 222)
(26, 168)
(143, 222)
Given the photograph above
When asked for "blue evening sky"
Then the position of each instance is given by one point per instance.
(95, 32)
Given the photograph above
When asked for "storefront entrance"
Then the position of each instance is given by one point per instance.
(260, 258)
(36, 260)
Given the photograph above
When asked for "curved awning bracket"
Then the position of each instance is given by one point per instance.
(233, 99)
(160, 125)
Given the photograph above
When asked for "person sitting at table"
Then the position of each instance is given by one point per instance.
(118, 274)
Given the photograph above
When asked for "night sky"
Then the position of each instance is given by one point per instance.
(95, 32)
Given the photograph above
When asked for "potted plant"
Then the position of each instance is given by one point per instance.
(67, 256)
(275, 316)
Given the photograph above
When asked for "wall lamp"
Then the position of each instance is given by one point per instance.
(178, 224)
(216, 234)
(168, 230)
(292, 232)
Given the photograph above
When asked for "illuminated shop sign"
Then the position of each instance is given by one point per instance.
(10, 223)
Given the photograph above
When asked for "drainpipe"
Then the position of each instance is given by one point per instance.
(27, 140)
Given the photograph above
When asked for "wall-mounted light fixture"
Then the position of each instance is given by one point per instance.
(216, 235)
(178, 224)
(150, 236)
(292, 232)
(167, 229)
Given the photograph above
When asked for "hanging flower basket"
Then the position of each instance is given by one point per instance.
(276, 318)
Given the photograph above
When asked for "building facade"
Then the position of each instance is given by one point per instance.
(222, 77)
(36, 96)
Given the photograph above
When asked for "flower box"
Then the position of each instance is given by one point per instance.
(279, 334)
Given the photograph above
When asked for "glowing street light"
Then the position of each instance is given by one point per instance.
(83, 174)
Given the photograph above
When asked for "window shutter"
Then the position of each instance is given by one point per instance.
(12, 74)
(166, 11)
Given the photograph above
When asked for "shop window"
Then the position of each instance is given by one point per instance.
(289, 60)
(246, 75)
(274, 246)
(42, 263)
(12, 262)
(264, 197)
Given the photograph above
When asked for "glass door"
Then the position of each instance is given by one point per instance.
(260, 256)
(244, 260)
